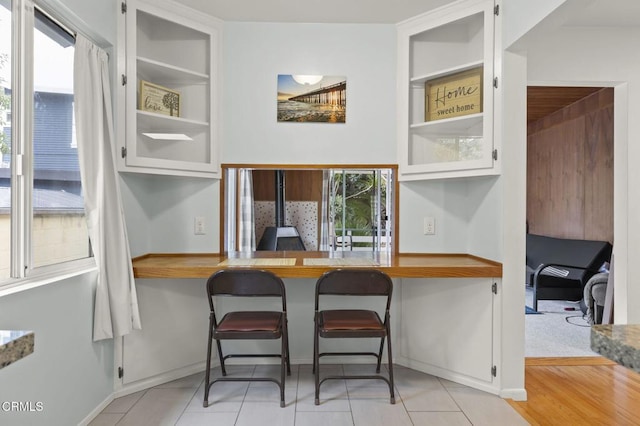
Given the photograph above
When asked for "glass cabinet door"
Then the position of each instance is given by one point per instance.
(170, 93)
(447, 104)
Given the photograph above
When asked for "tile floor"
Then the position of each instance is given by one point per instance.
(421, 399)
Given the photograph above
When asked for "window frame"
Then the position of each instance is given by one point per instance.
(23, 276)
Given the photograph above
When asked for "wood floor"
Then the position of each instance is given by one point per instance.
(579, 391)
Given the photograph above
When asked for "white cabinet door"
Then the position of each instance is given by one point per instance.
(447, 328)
(175, 321)
(171, 91)
(445, 96)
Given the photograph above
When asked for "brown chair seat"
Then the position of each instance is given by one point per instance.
(251, 321)
(350, 319)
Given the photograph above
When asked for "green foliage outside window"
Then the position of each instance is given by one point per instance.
(359, 204)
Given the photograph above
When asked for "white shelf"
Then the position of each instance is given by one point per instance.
(156, 71)
(456, 126)
(151, 122)
(420, 80)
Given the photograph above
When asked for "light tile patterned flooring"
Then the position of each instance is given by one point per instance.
(421, 399)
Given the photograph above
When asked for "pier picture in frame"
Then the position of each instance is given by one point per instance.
(312, 98)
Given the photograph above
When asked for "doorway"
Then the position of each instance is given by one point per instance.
(569, 195)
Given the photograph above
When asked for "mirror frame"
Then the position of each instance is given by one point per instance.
(396, 187)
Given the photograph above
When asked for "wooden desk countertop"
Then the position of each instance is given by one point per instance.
(306, 264)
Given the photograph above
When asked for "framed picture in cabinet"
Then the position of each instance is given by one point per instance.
(160, 100)
(454, 95)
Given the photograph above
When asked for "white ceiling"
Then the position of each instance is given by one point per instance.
(592, 12)
(310, 11)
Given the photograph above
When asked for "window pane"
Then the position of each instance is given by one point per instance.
(5, 140)
(360, 201)
(59, 231)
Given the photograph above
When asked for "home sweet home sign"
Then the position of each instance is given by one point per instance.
(454, 95)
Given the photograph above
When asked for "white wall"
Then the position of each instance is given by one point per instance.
(524, 15)
(513, 209)
(466, 211)
(254, 55)
(160, 213)
(606, 57)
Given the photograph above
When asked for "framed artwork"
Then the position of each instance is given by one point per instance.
(312, 98)
(158, 99)
(454, 95)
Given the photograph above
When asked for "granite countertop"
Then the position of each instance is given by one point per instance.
(618, 342)
(15, 345)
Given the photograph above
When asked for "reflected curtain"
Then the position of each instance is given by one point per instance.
(247, 225)
(116, 304)
(325, 224)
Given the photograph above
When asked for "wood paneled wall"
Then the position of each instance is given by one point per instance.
(570, 170)
(300, 185)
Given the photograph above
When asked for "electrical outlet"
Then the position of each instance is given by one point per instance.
(429, 225)
(198, 225)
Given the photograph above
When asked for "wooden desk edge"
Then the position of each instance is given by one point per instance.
(202, 265)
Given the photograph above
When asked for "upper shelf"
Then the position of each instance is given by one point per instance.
(152, 70)
(150, 122)
(420, 80)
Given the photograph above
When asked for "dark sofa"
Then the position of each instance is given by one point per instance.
(559, 268)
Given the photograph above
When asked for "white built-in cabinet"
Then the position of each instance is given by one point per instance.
(446, 42)
(451, 329)
(173, 47)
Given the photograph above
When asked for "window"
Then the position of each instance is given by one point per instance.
(41, 204)
(358, 205)
(331, 208)
(6, 40)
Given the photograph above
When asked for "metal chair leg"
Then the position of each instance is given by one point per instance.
(390, 367)
(286, 338)
(316, 367)
(283, 363)
(207, 376)
(380, 355)
(222, 367)
(315, 345)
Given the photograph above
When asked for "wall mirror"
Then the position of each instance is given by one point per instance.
(309, 207)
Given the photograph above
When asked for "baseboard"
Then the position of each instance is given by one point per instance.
(129, 388)
(449, 375)
(94, 413)
(514, 394)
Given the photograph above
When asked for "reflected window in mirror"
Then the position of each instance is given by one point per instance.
(314, 208)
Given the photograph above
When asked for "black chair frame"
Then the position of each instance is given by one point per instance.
(558, 293)
(353, 282)
(246, 283)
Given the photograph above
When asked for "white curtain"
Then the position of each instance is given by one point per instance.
(247, 226)
(116, 304)
(326, 234)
